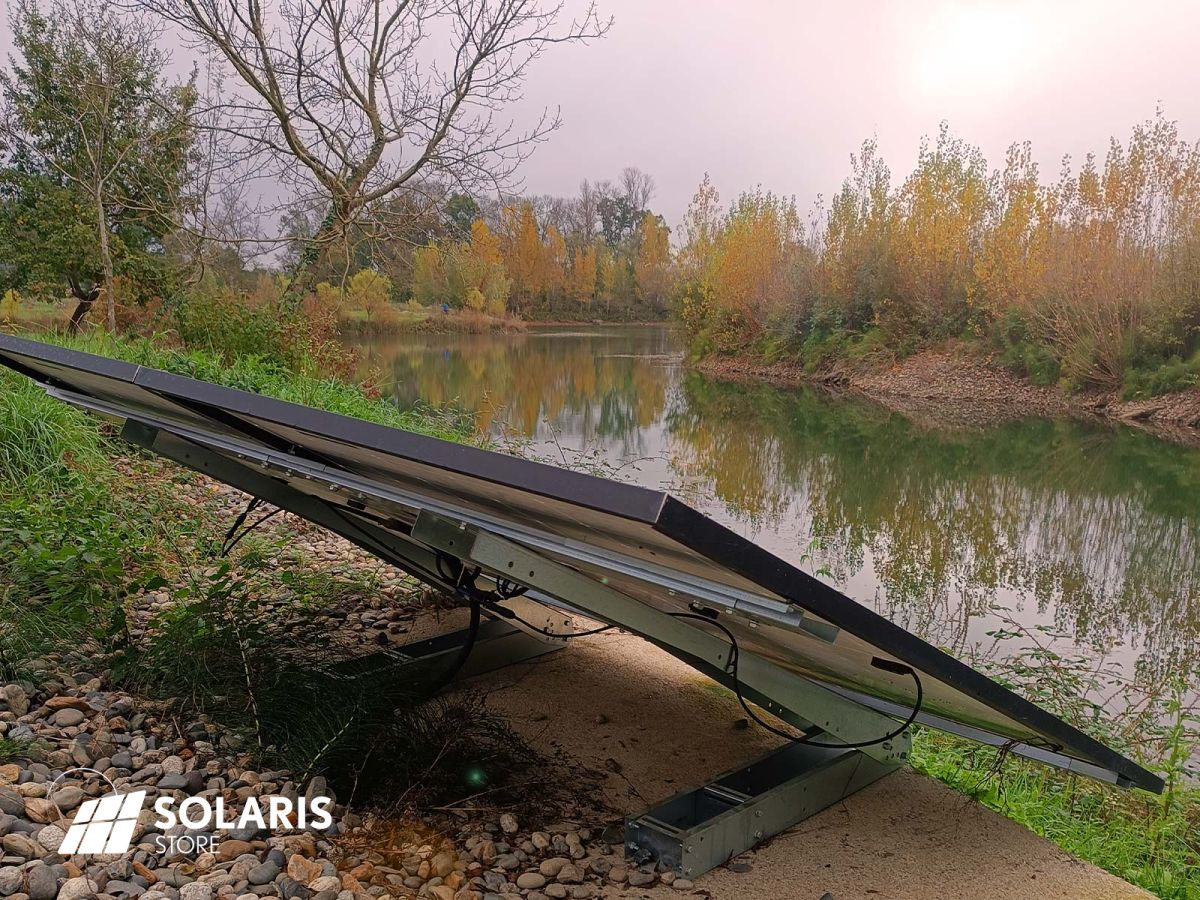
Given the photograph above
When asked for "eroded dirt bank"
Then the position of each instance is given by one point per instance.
(969, 389)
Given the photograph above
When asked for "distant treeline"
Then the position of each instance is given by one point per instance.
(1092, 280)
(600, 254)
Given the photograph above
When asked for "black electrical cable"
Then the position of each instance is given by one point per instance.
(227, 548)
(466, 591)
(238, 522)
(735, 658)
(464, 651)
(509, 589)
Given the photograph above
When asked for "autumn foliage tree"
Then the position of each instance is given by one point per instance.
(582, 284)
(462, 274)
(740, 266)
(1087, 279)
(938, 229)
(652, 265)
(524, 258)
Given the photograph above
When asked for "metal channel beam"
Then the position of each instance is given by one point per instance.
(699, 829)
(783, 691)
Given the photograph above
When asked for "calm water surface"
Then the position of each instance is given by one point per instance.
(1079, 536)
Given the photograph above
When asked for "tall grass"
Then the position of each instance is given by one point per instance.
(66, 546)
(1150, 841)
(44, 443)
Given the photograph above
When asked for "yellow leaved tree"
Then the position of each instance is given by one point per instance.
(652, 265)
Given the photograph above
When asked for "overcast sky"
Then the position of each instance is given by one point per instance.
(781, 93)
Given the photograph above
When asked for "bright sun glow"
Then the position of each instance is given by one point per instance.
(978, 50)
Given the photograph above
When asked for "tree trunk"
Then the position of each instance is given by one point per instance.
(301, 280)
(81, 310)
(84, 301)
(110, 299)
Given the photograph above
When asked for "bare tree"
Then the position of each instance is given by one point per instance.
(587, 212)
(219, 222)
(553, 212)
(637, 187)
(351, 100)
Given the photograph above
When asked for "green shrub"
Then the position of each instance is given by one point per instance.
(871, 348)
(1176, 374)
(73, 542)
(222, 322)
(821, 348)
(1020, 353)
(67, 561)
(235, 325)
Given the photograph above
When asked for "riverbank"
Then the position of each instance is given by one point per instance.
(168, 585)
(972, 389)
(404, 320)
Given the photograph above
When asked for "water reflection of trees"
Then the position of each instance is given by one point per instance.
(605, 387)
(1096, 530)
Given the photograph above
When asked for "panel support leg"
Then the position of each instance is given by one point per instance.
(804, 702)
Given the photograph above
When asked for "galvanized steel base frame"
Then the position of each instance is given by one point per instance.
(693, 831)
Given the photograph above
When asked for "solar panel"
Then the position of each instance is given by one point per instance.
(385, 489)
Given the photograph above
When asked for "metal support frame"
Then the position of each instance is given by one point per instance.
(702, 828)
(691, 832)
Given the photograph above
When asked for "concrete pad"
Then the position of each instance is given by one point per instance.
(655, 726)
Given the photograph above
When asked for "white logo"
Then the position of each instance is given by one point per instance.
(105, 825)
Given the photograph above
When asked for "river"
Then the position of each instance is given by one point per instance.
(1036, 545)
